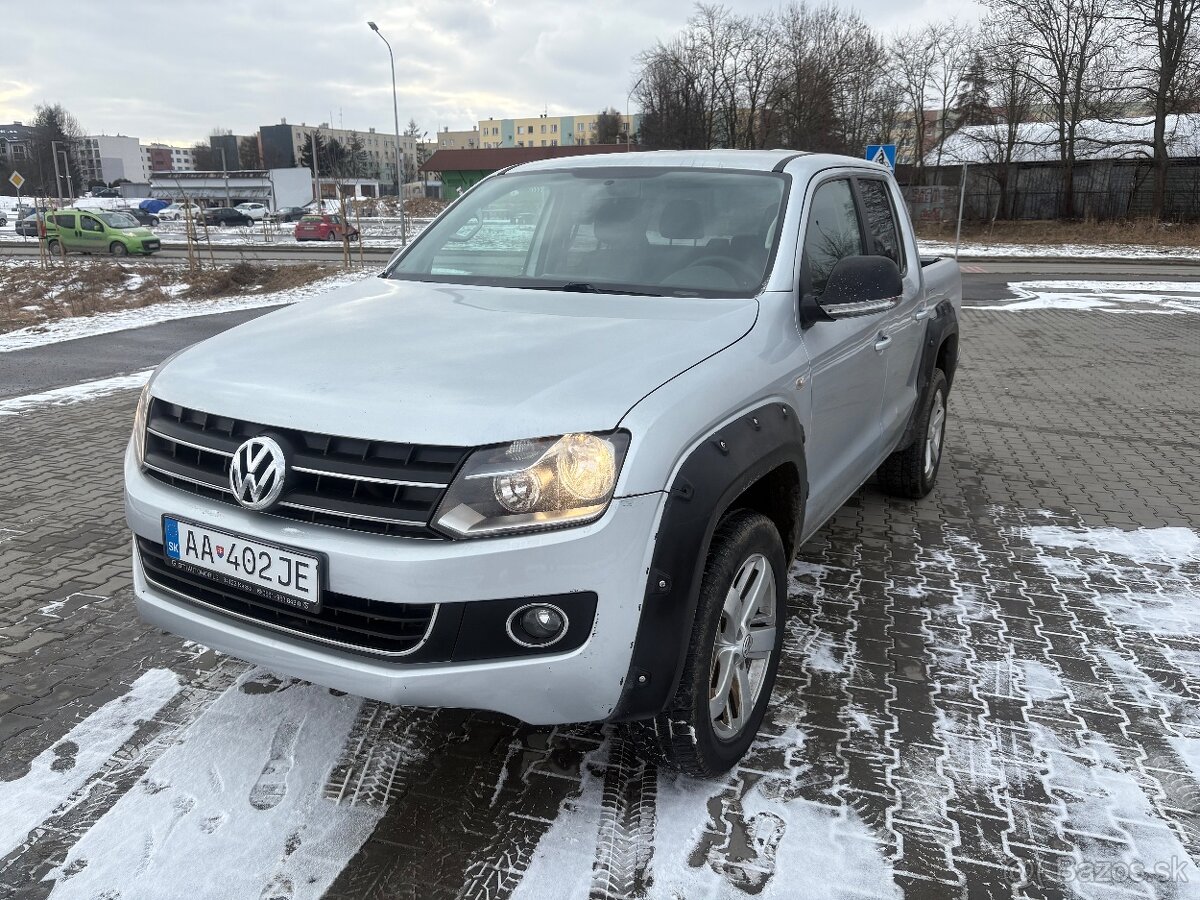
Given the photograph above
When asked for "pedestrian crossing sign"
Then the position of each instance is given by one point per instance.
(883, 154)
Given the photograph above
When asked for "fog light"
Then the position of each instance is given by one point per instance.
(537, 625)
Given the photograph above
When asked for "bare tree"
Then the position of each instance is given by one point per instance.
(914, 58)
(1163, 71)
(952, 52)
(1003, 95)
(1068, 46)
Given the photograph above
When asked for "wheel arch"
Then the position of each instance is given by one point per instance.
(756, 462)
(939, 350)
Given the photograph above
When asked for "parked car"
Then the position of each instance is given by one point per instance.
(3, 218)
(256, 211)
(98, 231)
(324, 228)
(149, 220)
(29, 225)
(221, 216)
(556, 472)
(289, 214)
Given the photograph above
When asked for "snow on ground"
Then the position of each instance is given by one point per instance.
(55, 776)
(1173, 608)
(106, 323)
(235, 805)
(1156, 297)
(1057, 251)
(75, 393)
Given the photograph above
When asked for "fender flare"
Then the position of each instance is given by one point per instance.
(717, 471)
(942, 325)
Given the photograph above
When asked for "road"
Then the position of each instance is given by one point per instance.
(992, 692)
(55, 365)
(283, 253)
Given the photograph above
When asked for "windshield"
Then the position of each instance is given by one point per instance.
(671, 232)
(118, 220)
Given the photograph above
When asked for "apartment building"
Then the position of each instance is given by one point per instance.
(282, 145)
(108, 157)
(158, 157)
(15, 142)
(548, 131)
(458, 140)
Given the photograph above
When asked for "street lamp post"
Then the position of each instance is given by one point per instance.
(399, 152)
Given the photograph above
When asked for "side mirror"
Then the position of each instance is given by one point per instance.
(857, 286)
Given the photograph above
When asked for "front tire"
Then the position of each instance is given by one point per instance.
(116, 248)
(912, 472)
(736, 644)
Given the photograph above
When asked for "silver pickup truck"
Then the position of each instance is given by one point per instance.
(556, 460)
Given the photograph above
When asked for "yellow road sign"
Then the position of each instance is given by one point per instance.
(16, 179)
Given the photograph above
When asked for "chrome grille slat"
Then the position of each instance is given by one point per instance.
(362, 485)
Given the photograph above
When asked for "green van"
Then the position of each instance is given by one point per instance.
(98, 231)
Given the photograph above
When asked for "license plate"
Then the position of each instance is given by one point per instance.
(269, 571)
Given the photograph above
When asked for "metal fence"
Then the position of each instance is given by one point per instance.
(1104, 190)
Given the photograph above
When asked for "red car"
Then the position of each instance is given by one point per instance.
(324, 228)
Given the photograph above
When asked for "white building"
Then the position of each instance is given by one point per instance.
(275, 187)
(107, 157)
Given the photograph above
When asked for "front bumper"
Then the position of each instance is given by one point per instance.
(609, 557)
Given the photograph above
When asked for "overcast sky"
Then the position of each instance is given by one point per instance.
(179, 68)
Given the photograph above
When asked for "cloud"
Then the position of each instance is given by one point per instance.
(187, 66)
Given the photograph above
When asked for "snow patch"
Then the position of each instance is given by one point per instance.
(105, 323)
(57, 775)
(243, 786)
(1169, 546)
(1157, 297)
(75, 393)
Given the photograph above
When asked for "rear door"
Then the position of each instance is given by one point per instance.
(847, 368)
(66, 224)
(902, 329)
(91, 236)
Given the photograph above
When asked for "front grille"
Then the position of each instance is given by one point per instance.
(372, 486)
(353, 623)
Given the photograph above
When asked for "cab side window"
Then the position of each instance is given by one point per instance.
(833, 233)
(87, 223)
(880, 219)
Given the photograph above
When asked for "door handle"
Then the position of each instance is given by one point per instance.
(921, 313)
(882, 341)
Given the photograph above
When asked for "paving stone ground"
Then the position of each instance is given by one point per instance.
(967, 707)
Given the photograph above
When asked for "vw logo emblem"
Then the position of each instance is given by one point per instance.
(257, 473)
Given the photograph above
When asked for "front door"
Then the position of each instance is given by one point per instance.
(846, 378)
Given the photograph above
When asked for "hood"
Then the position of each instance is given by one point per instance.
(140, 231)
(446, 364)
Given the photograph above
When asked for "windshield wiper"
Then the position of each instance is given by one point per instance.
(586, 287)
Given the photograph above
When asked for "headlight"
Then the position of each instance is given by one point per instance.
(533, 484)
(139, 425)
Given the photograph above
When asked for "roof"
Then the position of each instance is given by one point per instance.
(1038, 141)
(496, 158)
(616, 155)
(759, 160)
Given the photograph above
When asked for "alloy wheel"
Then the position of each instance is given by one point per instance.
(742, 651)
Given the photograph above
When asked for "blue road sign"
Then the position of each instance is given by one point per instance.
(884, 154)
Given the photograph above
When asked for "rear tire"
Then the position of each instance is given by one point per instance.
(52, 247)
(331, 237)
(912, 472)
(735, 648)
(116, 248)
